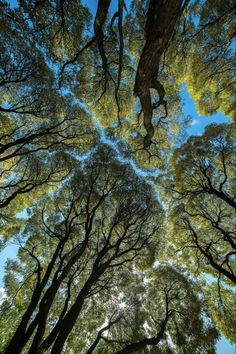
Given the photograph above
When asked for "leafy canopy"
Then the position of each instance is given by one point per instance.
(125, 229)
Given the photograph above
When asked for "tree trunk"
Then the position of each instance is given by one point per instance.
(161, 20)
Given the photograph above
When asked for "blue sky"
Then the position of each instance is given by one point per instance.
(198, 122)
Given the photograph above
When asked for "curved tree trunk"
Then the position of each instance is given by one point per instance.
(161, 21)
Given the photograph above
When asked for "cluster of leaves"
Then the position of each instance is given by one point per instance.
(206, 47)
(74, 248)
(201, 194)
(91, 273)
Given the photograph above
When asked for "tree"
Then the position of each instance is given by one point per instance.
(36, 121)
(97, 227)
(201, 192)
(203, 183)
(156, 316)
(209, 56)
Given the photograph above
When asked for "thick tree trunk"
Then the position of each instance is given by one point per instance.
(223, 197)
(20, 337)
(48, 298)
(68, 322)
(161, 20)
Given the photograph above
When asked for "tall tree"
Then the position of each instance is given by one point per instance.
(36, 121)
(201, 192)
(155, 317)
(97, 227)
(204, 190)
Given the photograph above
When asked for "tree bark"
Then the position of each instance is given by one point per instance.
(20, 337)
(161, 20)
(134, 347)
(68, 322)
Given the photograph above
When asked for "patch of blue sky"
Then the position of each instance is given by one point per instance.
(225, 347)
(23, 214)
(92, 5)
(12, 3)
(9, 252)
(199, 122)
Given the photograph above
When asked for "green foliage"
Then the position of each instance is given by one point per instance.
(146, 299)
(222, 306)
(200, 192)
(108, 260)
(206, 45)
